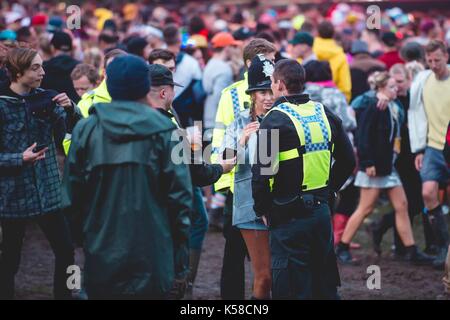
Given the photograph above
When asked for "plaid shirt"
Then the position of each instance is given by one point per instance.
(27, 189)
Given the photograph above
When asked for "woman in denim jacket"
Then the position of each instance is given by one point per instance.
(241, 137)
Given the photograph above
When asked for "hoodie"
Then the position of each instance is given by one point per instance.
(57, 75)
(328, 50)
(136, 122)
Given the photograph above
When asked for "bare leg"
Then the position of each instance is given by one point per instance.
(366, 205)
(402, 222)
(257, 242)
(430, 193)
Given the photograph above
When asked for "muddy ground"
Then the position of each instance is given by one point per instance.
(398, 279)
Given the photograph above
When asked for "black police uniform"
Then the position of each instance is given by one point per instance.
(301, 238)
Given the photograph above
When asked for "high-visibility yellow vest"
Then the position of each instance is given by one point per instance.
(97, 95)
(232, 102)
(315, 148)
(174, 118)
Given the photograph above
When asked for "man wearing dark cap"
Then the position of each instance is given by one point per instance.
(244, 34)
(302, 44)
(160, 97)
(162, 92)
(60, 66)
(134, 203)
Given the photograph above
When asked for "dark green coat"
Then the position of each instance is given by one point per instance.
(134, 201)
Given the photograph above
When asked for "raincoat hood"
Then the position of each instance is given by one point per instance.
(137, 121)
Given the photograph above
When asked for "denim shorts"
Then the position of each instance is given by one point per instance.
(257, 224)
(434, 167)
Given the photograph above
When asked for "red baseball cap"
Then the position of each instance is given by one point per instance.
(39, 20)
(224, 39)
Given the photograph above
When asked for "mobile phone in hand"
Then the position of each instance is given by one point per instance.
(39, 147)
(229, 154)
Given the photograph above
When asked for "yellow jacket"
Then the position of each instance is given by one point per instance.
(328, 50)
(97, 95)
(225, 116)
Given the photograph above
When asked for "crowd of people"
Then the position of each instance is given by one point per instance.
(304, 117)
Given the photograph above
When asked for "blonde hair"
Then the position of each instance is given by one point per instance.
(378, 79)
(94, 56)
(400, 68)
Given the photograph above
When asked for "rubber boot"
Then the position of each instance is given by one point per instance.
(440, 230)
(430, 241)
(415, 257)
(194, 260)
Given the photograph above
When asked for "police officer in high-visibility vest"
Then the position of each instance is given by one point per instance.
(233, 101)
(293, 181)
(97, 95)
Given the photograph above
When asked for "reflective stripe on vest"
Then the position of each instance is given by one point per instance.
(314, 134)
(236, 110)
(235, 101)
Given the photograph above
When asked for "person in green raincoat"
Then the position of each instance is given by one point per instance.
(133, 202)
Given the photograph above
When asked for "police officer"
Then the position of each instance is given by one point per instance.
(292, 189)
(233, 101)
(97, 95)
(161, 97)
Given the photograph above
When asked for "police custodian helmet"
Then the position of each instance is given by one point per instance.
(259, 74)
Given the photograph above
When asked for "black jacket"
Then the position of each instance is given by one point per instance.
(287, 184)
(57, 75)
(375, 141)
(202, 174)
